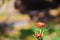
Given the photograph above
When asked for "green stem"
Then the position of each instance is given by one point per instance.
(40, 30)
(40, 39)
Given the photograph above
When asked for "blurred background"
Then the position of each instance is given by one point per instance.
(18, 17)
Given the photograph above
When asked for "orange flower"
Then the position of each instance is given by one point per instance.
(40, 24)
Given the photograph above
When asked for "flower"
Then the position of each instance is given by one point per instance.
(40, 24)
(39, 35)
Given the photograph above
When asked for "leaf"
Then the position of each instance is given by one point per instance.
(25, 33)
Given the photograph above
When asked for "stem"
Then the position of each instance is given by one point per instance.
(40, 30)
(40, 39)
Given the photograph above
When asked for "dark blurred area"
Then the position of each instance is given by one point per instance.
(40, 4)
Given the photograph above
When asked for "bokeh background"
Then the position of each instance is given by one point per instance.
(18, 17)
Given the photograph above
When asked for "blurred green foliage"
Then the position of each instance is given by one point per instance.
(25, 33)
